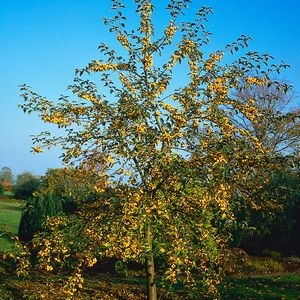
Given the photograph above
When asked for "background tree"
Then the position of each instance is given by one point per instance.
(6, 178)
(279, 126)
(26, 184)
(279, 131)
(272, 227)
(72, 186)
(172, 155)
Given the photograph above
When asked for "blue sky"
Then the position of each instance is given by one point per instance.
(42, 42)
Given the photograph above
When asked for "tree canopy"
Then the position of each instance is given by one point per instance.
(279, 127)
(168, 148)
(6, 178)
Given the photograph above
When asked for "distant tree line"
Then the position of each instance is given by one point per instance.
(22, 186)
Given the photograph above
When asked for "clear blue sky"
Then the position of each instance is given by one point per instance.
(43, 41)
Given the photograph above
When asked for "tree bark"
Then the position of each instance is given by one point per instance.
(150, 268)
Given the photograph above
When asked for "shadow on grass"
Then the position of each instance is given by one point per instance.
(263, 287)
(101, 286)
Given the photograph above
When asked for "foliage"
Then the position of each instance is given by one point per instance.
(71, 186)
(6, 175)
(272, 253)
(1, 189)
(234, 261)
(6, 178)
(278, 131)
(37, 209)
(26, 184)
(237, 262)
(293, 259)
(285, 189)
(280, 193)
(172, 155)
(264, 266)
(61, 190)
(279, 127)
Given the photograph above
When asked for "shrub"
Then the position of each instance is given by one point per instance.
(236, 261)
(233, 261)
(272, 253)
(38, 208)
(264, 265)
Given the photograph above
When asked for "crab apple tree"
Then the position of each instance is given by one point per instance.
(165, 143)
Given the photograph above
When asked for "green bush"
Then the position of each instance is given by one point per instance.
(37, 209)
(26, 185)
(273, 226)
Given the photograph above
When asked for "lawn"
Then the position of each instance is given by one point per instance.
(10, 213)
(285, 286)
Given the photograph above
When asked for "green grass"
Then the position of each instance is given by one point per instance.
(8, 194)
(286, 286)
(10, 214)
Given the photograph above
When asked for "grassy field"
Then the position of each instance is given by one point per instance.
(10, 213)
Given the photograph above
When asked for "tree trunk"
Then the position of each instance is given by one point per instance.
(150, 269)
